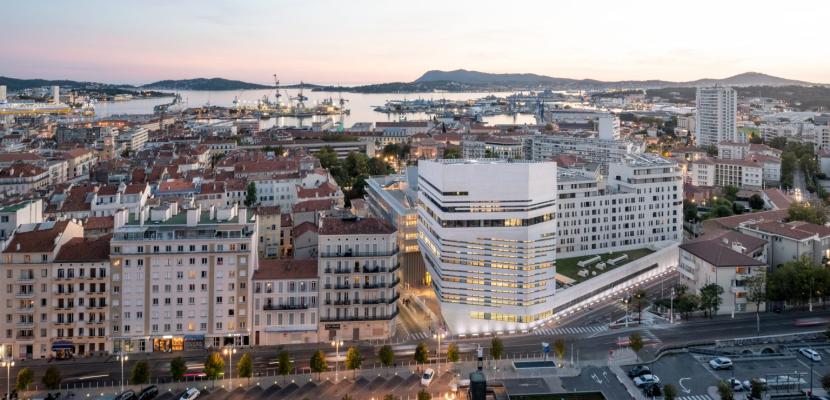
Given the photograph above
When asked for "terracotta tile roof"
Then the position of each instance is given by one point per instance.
(778, 198)
(313, 205)
(135, 188)
(39, 240)
(797, 230)
(12, 157)
(97, 223)
(286, 220)
(285, 268)
(305, 227)
(20, 170)
(80, 250)
(728, 237)
(108, 190)
(212, 188)
(736, 220)
(716, 253)
(176, 186)
(355, 226)
(267, 210)
(325, 190)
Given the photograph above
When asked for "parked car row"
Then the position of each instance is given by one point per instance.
(148, 393)
(645, 380)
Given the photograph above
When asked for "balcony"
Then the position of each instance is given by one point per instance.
(352, 253)
(377, 285)
(394, 298)
(26, 278)
(24, 295)
(25, 336)
(24, 324)
(352, 318)
(272, 307)
(374, 301)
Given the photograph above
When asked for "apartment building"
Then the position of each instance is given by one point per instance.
(20, 213)
(743, 174)
(639, 204)
(489, 248)
(587, 147)
(358, 269)
(790, 241)
(728, 260)
(269, 228)
(717, 115)
(132, 139)
(23, 178)
(285, 302)
(493, 147)
(32, 300)
(185, 275)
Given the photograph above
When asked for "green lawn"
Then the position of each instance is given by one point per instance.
(568, 266)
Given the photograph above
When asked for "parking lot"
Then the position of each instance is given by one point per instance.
(693, 377)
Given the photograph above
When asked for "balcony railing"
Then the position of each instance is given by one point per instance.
(352, 253)
(271, 307)
(352, 318)
(24, 295)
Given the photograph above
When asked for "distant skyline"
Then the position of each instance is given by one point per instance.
(365, 41)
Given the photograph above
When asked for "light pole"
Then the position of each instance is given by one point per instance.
(336, 343)
(440, 335)
(671, 307)
(230, 352)
(122, 357)
(8, 364)
(626, 299)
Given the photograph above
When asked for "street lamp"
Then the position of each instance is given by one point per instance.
(439, 336)
(122, 357)
(230, 352)
(671, 307)
(8, 364)
(336, 343)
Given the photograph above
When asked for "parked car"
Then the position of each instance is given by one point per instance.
(747, 384)
(720, 363)
(652, 390)
(125, 395)
(149, 393)
(189, 394)
(736, 384)
(810, 353)
(638, 371)
(641, 381)
(426, 378)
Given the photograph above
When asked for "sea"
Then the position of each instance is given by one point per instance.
(360, 105)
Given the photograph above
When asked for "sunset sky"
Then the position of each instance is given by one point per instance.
(352, 42)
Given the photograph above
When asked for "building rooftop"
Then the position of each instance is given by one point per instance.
(719, 254)
(41, 238)
(285, 268)
(80, 250)
(355, 226)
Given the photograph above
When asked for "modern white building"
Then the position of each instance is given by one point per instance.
(585, 146)
(639, 204)
(716, 118)
(487, 232)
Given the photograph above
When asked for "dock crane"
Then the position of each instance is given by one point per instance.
(276, 90)
(300, 98)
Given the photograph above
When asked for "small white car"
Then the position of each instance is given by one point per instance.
(720, 363)
(646, 379)
(747, 384)
(189, 394)
(426, 378)
(810, 353)
(736, 384)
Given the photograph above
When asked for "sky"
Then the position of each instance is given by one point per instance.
(370, 41)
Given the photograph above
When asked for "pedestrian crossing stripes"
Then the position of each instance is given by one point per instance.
(699, 397)
(570, 330)
(419, 336)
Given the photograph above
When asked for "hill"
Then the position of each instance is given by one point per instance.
(204, 84)
(14, 84)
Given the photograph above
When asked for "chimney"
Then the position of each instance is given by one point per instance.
(193, 216)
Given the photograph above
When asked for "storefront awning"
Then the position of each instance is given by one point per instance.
(63, 346)
(194, 338)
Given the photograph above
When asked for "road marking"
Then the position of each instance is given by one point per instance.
(697, 397)
(685, 390)
(596, 378)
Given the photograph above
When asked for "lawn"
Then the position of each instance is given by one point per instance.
(569, 268)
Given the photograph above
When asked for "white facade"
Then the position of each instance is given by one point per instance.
(716, 118)
(638, 205)
(487, 231)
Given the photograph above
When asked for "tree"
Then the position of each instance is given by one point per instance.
(318, 363)
(640, 299)
(353, 359)
(710, 298)
(452, 352)
(721, 211)
(756, 388)
(756, 202)
(52, 378)
(245, 368)
(635, 341)
(451, 153)
(807, 212)
(712, 150)
(496, 348)
(386, 355)
(424, 395)
(559, 349)
(177, 368)
(140, 373)
(669, 392)
(421, 353)
(327, 157)
(730, 193)
(725, 391)
(825, 382)
(214, 365)
(686, 303)
(25, 377)
(756, 290)
(250, 194)
(285, 366)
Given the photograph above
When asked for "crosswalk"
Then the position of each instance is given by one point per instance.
(698, 397)
(571, 330)
(419, 336)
